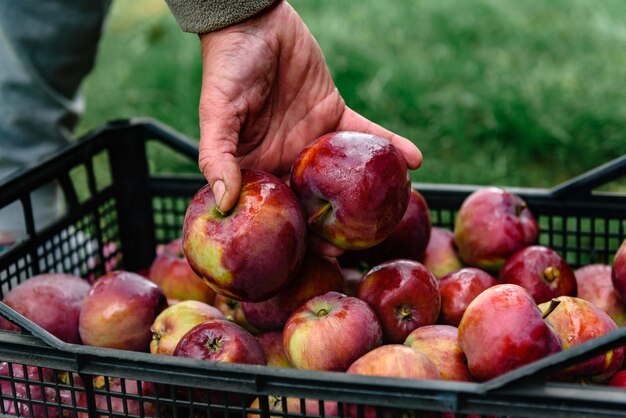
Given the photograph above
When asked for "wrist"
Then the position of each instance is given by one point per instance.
(204, 16)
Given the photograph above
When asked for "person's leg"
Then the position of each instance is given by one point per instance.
(46, 50)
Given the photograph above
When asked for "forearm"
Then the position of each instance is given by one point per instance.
(201, 16)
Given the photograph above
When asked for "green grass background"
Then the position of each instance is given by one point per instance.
(492, 91)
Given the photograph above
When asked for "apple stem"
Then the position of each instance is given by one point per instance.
(553, 304)
(320, 213)
(214, 344)
(405, 313)
(218, 214)
(551, 273)
(321, 312)
(519, 208)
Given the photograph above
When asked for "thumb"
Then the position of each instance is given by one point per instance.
(218, 163)
(352, 121)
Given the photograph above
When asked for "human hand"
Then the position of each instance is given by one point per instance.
(266, 93)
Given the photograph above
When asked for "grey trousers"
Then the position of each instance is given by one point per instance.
(46, 50)
(47, 47)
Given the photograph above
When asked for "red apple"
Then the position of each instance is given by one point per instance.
(354, 188)
(294, 406)
(541, 271)
(458, 289)
(503, 329)
(440, 343)
(233, 311)
(13, 388)
(220, 340)
(395, 360)
(119, 310)
(595, 285)
(491, 225)
(172, 273)
(317, 276)
(404, 295)
(52, 301)
(253, 251)
(618, 273)
(577, 321)
(272, 343)
(330, 331)
(441, 255)
(408, 240)
(174, 322)
(391, 360)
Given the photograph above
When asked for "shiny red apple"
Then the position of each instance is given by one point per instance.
(503, 329)
(492, 224)
(51, 300)
(404, 295)
(119, 310)
(220, 340)
(541, 271)
(458, 289)
(251, 252)
(354, 188)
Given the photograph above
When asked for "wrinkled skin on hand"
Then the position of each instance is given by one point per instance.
(266, 93)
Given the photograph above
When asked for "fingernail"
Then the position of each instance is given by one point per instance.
(219, 189)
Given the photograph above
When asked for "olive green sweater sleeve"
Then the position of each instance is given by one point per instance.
(201, 16)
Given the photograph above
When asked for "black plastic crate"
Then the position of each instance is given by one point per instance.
(119, 209)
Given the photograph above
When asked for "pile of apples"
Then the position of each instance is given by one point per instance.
(401, 298)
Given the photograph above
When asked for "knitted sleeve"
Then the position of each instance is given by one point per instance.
(201, 16)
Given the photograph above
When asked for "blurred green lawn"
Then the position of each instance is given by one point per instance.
(493, 92)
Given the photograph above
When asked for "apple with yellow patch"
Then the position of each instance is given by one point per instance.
(331, 331)
(174, 322)
(251, 252)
